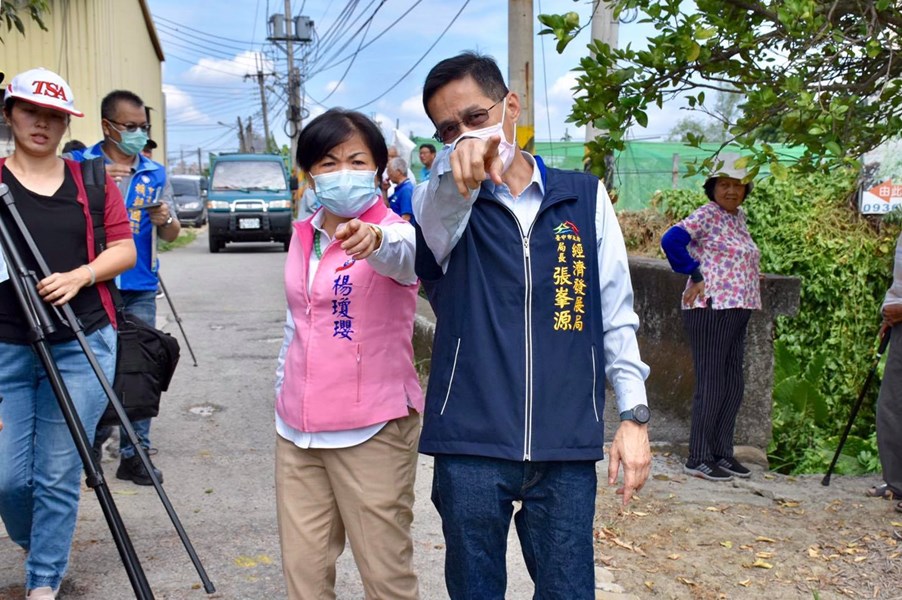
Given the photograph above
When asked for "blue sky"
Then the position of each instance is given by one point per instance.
(210, 47)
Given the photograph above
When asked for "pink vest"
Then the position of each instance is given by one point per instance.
(350, 363)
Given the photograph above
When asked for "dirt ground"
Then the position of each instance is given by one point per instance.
(771, 536)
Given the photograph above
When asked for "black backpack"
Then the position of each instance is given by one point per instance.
(146, 357)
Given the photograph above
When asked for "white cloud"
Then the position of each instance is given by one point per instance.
(215, 70)
(335, 86)
(180, 107)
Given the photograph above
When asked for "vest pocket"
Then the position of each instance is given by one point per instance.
(594, 383)
(451, 378)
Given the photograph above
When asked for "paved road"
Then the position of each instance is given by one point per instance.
(215, 438)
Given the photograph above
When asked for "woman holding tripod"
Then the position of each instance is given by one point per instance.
(39, 466)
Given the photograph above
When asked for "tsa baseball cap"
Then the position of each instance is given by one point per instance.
(44, 88)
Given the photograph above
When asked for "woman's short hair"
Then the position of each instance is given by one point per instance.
(711, 183)
(334, 127)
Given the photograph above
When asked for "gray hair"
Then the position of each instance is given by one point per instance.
(398, 164)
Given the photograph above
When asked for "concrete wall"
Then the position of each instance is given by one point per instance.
(663, 345)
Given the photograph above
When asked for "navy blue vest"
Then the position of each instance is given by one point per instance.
(518, 360)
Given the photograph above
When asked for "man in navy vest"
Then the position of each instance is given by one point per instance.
(149, 202)
(526, 269)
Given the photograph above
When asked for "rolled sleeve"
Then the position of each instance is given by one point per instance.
(624, 368)
(396, 256)
(440, 211)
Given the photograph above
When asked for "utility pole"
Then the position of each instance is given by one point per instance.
(259, 61)
(249, 136)
(200, 164)
(519, 65)
(294, 107)
(606, 29)
(242, 145)
(288, 29)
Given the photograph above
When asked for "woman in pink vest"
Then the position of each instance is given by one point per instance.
(347, 394)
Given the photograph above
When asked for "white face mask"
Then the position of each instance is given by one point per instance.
(346, 193)
(506, 149)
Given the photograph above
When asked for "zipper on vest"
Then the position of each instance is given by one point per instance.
(527, 326)
(527, 318)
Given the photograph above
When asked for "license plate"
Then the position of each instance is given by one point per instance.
(248, 223)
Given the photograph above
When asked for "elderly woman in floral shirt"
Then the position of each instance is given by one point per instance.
(713, 247)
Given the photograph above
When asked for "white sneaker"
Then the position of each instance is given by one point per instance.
(42, 593)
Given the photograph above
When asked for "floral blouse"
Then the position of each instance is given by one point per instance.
(729, 258)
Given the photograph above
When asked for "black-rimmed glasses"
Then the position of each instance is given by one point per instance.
(132, 127)
(450, 132)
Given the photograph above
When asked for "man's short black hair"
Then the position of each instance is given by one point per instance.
(334, 127)
(110, 102)
(483, 69)
(429, 147)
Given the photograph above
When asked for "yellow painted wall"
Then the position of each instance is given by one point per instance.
(97, 46)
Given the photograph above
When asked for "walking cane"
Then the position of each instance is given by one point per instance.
(884, 342)
(178, 319)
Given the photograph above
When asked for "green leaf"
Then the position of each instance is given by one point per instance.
(779, 171)
(694, 51)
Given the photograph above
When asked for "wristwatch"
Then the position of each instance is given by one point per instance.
(639, 413)
(168, 221)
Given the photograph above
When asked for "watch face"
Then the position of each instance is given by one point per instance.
(641, 413)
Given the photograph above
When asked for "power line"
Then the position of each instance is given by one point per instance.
(351, 64)
(203, 33)
(195, 62)
(410, 70)
(369, 43)
(194, 39)
(321, 55)
(199, 49)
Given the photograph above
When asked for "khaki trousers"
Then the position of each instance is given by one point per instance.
(366, 492)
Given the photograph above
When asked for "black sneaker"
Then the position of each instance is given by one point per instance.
(707, 470)
(733, 466)
(132, 469)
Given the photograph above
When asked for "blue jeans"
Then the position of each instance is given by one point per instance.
(39, 466)
(144, 306)
(474, 497)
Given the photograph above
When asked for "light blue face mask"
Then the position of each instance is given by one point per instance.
(132, 141)
(346, 193)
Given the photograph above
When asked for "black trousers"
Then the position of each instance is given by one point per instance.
(717, 341)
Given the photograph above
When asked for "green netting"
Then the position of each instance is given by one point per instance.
(642, 168)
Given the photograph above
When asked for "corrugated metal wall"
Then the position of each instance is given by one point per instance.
(97, 46)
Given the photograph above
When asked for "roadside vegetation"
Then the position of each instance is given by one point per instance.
(186, 236)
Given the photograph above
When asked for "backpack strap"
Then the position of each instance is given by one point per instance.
(93, 173)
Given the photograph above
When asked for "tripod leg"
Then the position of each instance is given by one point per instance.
(178, 319)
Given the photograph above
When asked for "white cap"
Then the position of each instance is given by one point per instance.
(725, 166)
(44, 88)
